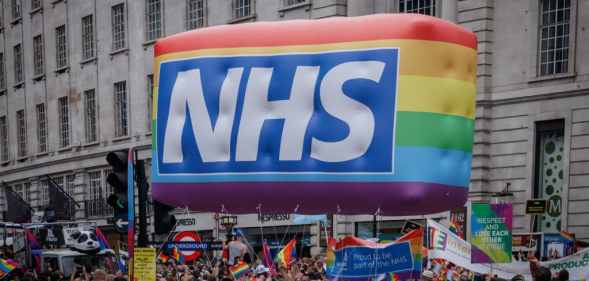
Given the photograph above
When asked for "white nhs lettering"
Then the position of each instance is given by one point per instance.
(214, 141)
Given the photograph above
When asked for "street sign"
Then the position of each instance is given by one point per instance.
(120, 223)
(537, 206)
(191, 237)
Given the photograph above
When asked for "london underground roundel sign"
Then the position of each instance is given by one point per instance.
(188, 237)
(351, 115)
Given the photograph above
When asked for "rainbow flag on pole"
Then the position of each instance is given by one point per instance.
(239, 270)
(6, 267)
(285, 256)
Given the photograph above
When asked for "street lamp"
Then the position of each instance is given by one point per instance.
(228, 222)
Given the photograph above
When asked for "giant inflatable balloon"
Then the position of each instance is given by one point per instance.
(360, 115)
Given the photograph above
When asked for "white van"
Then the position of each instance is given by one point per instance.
(68, 261)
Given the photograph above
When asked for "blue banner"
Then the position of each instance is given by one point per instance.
(363, 261)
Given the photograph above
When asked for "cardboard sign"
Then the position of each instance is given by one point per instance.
(144, 264)
(491, 226)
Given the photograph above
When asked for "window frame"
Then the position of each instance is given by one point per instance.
(41, 113)
(121, 108)
(118, 28)
(437, 8)
(235, 15)
(4, 140)
(187, 15)
(2, 72)
(61, 47)
(90, 130)
(534, 44)
(19, 75)
(38, 56)
(36, 4)
(88, 43)
(154, 23)
(16, 10)
(21, 134)
(63, 110)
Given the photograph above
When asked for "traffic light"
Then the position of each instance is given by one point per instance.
(163, 221)
(118, 180)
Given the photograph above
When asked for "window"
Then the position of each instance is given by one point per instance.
(87, 37)
(153, 19)
(2, 76)
(549, 177)
(195, 14)
(118, 26)
(18, 67)
(555, 17)
(3, 139)
(38, 62)
(90, 115)
(44, 188)
(242, 8)
(16, 9)
(60, 47)
(424, 7)
(287, 3)
(41, 128)
(64, 122)
(23, 190)
(21, 127)
(149, 100)
(97, 191)
(35, 4)
(120, 99)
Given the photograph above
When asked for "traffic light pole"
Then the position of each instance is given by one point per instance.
(142, 188)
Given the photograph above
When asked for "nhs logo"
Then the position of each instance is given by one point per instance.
(311, 113)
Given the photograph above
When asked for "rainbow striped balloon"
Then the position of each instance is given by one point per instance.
(422, 101)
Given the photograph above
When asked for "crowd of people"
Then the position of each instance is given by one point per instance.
(221, 268)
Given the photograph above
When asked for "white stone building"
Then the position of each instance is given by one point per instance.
(75, 78)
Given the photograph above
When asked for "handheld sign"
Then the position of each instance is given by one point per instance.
(350, 114)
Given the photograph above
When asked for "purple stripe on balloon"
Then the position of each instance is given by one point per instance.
(402, 198)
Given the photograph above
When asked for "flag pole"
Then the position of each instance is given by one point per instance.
(61, 190)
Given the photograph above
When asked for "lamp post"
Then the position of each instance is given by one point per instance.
(228, 222)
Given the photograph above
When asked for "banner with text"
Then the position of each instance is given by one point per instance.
(491, 226)
(353, 258)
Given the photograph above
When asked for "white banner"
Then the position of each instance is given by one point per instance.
(446, 245)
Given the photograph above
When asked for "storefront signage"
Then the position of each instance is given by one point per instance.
(273, 217)
(535, 207)
(187, 222)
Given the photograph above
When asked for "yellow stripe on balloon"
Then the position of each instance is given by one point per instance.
(437, 95)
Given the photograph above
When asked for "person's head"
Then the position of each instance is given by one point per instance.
(427, 275)
(99, 275)
(518, 277)
(563, 275)
(541, 274)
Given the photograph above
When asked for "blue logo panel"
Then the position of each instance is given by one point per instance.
(379, 96)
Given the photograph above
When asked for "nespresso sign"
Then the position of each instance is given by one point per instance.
(273, 217)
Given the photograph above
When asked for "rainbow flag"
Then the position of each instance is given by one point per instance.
(267, 259)
(177, 256)
(285, 256)
(36, 249)
(6, 267)
(102, 240)
(239, 270)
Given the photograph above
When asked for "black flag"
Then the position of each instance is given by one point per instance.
(17, 210)
(60, 202)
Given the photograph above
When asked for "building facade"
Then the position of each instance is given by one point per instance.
(76, 79)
